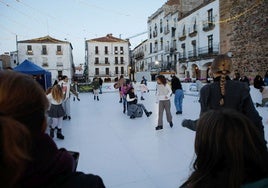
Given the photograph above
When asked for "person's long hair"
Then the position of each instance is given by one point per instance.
(22, 115)
(162, 79)
(229, 151)
(57, 93)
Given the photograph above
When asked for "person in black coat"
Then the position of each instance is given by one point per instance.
(28, 156)
(226, 93)
(178, 92)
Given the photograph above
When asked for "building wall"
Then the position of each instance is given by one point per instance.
(52, 62)
(245, 35)
(111, 59)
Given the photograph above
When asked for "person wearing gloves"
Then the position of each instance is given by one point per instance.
(226, 93)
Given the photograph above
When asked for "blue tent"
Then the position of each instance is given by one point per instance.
(27, 67)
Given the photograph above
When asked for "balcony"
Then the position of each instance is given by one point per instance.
(59, 64)
(208, 51)
(209, 24)
(172, 50)
(193, 33)
(182, 38)
(166, 30)
(59, 53)
(29, 52)
(45, 65)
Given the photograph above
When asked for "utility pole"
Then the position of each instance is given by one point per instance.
(17, 51)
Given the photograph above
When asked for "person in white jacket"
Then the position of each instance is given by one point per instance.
(163, 92)
(65, 86)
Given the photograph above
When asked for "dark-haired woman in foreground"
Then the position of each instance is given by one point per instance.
(230, 152)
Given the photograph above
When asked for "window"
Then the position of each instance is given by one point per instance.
(183, 50)
(116, 60)
(96, 50)
(45, 63)
(97, 71)
(161, 43)
(59, 51)
(115, 50)
(29, 50)
(210, 16)
(106, 60)
(122, 60)
(121, 50)
(122, 70)
(96, 60)
(210, 44)
(106, 50)
(183, 31)
(44, 50)
(161, 26)
(107, 72)
(116, 70)
(151, 48)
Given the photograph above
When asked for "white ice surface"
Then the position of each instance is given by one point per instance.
(130, 153)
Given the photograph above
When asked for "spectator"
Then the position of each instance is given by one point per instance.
(230, 152)
(29, 157)
(264, 93)
(226, 93)
(266, 78)
(258, 82)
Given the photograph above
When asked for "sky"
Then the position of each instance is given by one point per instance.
(74, 21)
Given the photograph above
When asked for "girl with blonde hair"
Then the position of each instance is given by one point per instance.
(56, 111)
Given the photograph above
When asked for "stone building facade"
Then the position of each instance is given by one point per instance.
(244, 35)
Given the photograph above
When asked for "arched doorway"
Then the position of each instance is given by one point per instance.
(195, 72)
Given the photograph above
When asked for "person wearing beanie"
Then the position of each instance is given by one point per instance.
(226, 93)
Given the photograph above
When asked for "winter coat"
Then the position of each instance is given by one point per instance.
(237, 97)
(52, 168)
(95, 84)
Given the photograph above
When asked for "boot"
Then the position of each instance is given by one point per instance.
(159, 127)
(97, 98)
(120, 100)
(65, 117)
(171, 124)
(59, 134)
(124, 110)
(148, 113)
(51, 133)
(142, 98)
(94, 97)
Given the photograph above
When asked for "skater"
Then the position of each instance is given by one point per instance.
(264, 93)
(178, 92)
(143, 89)
(73, 90)
(132, 100)
(66, 86)
(100, 82)
(96, 87)
(29, 157)
(226, 93)
(124, 90)
(230, 152)
(120, 84)
(56, 111)
(163, 92)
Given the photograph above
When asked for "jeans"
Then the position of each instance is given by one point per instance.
(178, 99)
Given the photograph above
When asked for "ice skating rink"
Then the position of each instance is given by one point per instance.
(130, 153)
